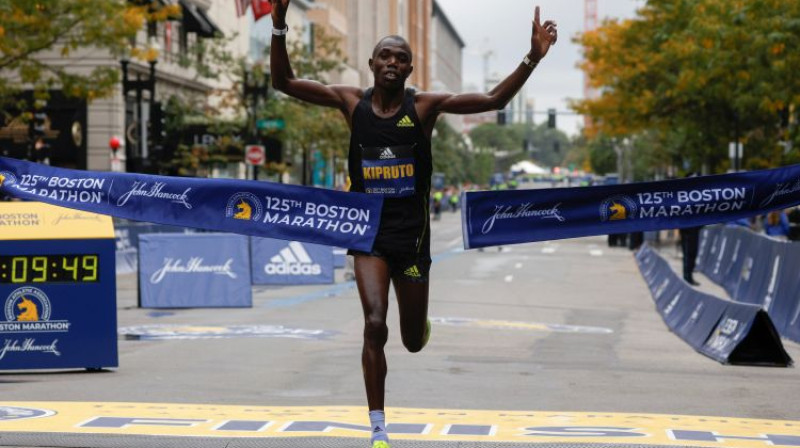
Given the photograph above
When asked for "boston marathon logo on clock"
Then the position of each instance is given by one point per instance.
(28, 309)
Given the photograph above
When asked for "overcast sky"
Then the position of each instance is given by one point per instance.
(504, 27)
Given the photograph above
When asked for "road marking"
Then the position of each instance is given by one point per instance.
(596, 253)
(434, 425)
(178, 331)
(518, 266)
(516, 325)
(509, 278)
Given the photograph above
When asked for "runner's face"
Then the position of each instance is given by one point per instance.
(391, 64)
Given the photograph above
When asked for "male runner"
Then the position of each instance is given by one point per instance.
(390, 154)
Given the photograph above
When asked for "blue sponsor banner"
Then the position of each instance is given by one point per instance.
(264, 209)
(208, 270)
(519, 216)
(339, 257)
(276, 262)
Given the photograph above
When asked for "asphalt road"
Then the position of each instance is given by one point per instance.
(566, 326)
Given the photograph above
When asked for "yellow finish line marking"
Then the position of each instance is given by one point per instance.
(190, 420)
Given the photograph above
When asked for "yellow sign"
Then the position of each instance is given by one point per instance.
(433, 425)
(39, 221)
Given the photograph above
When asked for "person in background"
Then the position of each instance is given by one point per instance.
(776, 225)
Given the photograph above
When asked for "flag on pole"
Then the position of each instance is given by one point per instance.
(261, 8)
(241, 7)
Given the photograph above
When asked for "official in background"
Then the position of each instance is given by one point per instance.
(690, 240)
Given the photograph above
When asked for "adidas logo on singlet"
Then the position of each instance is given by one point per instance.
(405, 122)
(387, 154)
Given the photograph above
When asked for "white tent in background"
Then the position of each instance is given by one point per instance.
(528, 167)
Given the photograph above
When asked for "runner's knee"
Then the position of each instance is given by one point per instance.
(375, 331)
(413, 344)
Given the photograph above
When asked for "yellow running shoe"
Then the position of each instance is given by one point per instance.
(380, 444)
(427, 336)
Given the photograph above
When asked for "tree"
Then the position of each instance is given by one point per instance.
(548, 145)
(698, 73)
(30, 29)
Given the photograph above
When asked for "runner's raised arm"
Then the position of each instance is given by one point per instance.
(343, 98)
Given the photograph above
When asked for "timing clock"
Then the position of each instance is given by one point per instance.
(57, 288)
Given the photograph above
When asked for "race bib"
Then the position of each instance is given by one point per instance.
(389, 170)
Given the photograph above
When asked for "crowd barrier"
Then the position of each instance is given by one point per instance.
(279, 262)
(209, 270)
(726, 331)
(757, 270)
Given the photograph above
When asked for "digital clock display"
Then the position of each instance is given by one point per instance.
(70, 268)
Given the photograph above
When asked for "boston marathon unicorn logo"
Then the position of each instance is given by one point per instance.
(6, 179)
(618, 208)
(27, 304)
(244, 207)
(29, 311)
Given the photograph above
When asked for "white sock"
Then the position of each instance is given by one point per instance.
(377, 421)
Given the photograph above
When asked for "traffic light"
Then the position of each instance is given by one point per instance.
(157, 130)
(551, 118)
(556, 146)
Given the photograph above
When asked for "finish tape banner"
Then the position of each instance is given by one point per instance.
(492, 218)
(284, 212)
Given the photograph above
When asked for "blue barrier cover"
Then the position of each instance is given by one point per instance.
(732, 328)
(785, 309)
(264, 209)
(519, 216)
(276, 262)
(726, 331)
(757, 265)
(708, 238)
(742, 244)
(759, 271)
(194, 270)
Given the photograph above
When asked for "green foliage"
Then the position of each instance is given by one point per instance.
(32, 29)
(510, 139)
(694, 74)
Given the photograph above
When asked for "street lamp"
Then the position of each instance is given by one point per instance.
(136, 150)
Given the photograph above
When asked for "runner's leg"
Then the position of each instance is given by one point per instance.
(412, 302)
(372, 279)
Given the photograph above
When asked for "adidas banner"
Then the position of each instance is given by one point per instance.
(272, 210)
(491, 218)
(276, 262)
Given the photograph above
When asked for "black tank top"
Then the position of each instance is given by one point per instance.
(392, 157)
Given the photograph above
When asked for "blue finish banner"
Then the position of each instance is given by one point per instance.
(264, 209)
(519, 216)
(276, 262)
(194, 270)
